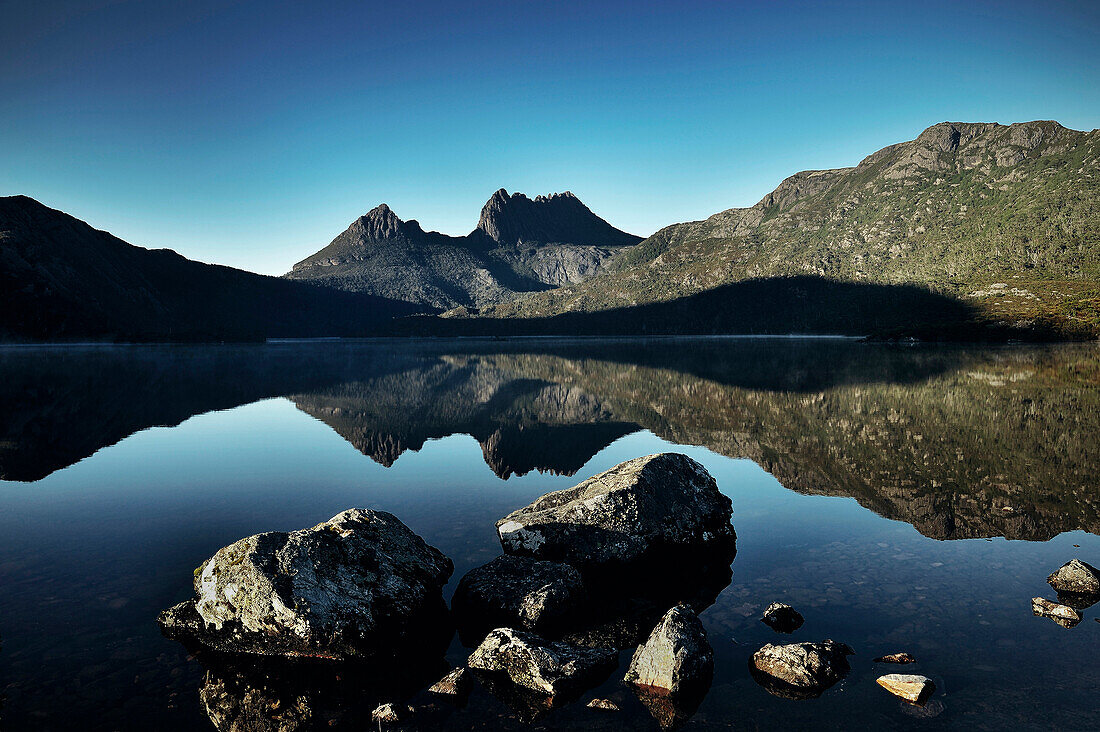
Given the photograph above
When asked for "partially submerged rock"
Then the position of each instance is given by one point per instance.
(456, 684)
(550, 668)
(910, 687)
(1064, 615)
(782, 618)
(801, 670)
(676, 657)
(517, 592)
(1077, 577)
(391, 713)
(631, 511)
(354, 586)
(901, 658)
(605, 704)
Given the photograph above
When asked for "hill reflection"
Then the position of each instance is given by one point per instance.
(959, 442)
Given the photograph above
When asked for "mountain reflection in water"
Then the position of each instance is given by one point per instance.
(959, 442)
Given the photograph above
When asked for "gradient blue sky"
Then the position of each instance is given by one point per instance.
(251, 133)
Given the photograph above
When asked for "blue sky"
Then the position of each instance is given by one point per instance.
(250, 133)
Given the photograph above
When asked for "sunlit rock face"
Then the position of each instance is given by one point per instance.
(635, 509)
(356, 585)
(800, 670)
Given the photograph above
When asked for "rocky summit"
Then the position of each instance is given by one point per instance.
(359, 584)
(636, 509)
(520, 245)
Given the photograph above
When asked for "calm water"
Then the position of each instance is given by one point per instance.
(902, 498)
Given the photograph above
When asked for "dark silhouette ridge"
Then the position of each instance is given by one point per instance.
(62, 280)
(775, 306)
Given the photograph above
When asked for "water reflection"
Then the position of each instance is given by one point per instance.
(958, 442)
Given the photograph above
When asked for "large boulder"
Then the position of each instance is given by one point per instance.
(627, 513)
(550, 668)
(356, 585)
(801, 670)
(517, 592)
(1076, 577)
(676, 657)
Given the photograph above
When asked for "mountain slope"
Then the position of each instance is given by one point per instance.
(520, 245)
(1004, 218)
(63, 280)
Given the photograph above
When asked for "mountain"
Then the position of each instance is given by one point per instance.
(64, 280)
(520, 245)
(1003, 220)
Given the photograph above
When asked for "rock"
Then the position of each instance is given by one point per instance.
(551, 668)
(910, 687)
(357, 585)
(629, 512)
(390, 713)
(782, 618)
(517, 592)
(801, 669)
(1077, 577)
(676, 657)
(896, 658)
(605, 704)
(455, 684)
(1064, 615)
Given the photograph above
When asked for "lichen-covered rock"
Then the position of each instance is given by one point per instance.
(517, 592)
(540, 665)
(809, 667)
(900, 658)
(910, 687)
(1064, 615)
(350, 587)
(455, 684)
(623, 514)
(1077, 577)
(676, 656)
(782, 618)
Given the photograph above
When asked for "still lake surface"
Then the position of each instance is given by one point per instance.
(902, 498)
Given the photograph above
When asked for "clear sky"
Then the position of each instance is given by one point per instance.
(251, 133)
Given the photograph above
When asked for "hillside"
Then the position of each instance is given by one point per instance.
(1005, 220)
(63, 280)
(520, 245)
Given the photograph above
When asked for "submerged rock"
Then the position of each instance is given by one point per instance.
(356, 585)
(782, 618)
(910, 687)
(517, 592)
(1064, 615)
(801, 670)
(550, 668)
(624, 514)
(455, 684)
(1077, 577)
(896, 658)
(676, 657)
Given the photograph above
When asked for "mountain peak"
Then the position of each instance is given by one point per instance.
(513, 220)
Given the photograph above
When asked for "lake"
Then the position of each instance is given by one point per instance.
(903, 498)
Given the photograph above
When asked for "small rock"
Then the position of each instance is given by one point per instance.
(390, 713)
(910, 687)
(782, 618)
(1077, 577)
(1064, 615)
(811, 667)
(517, 592)
(676, 657)
(543, 666)
(455, 684)
(605, 704)
(623, 514)
(896, 658)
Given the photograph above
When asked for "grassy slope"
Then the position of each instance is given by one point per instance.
(1015, 206)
